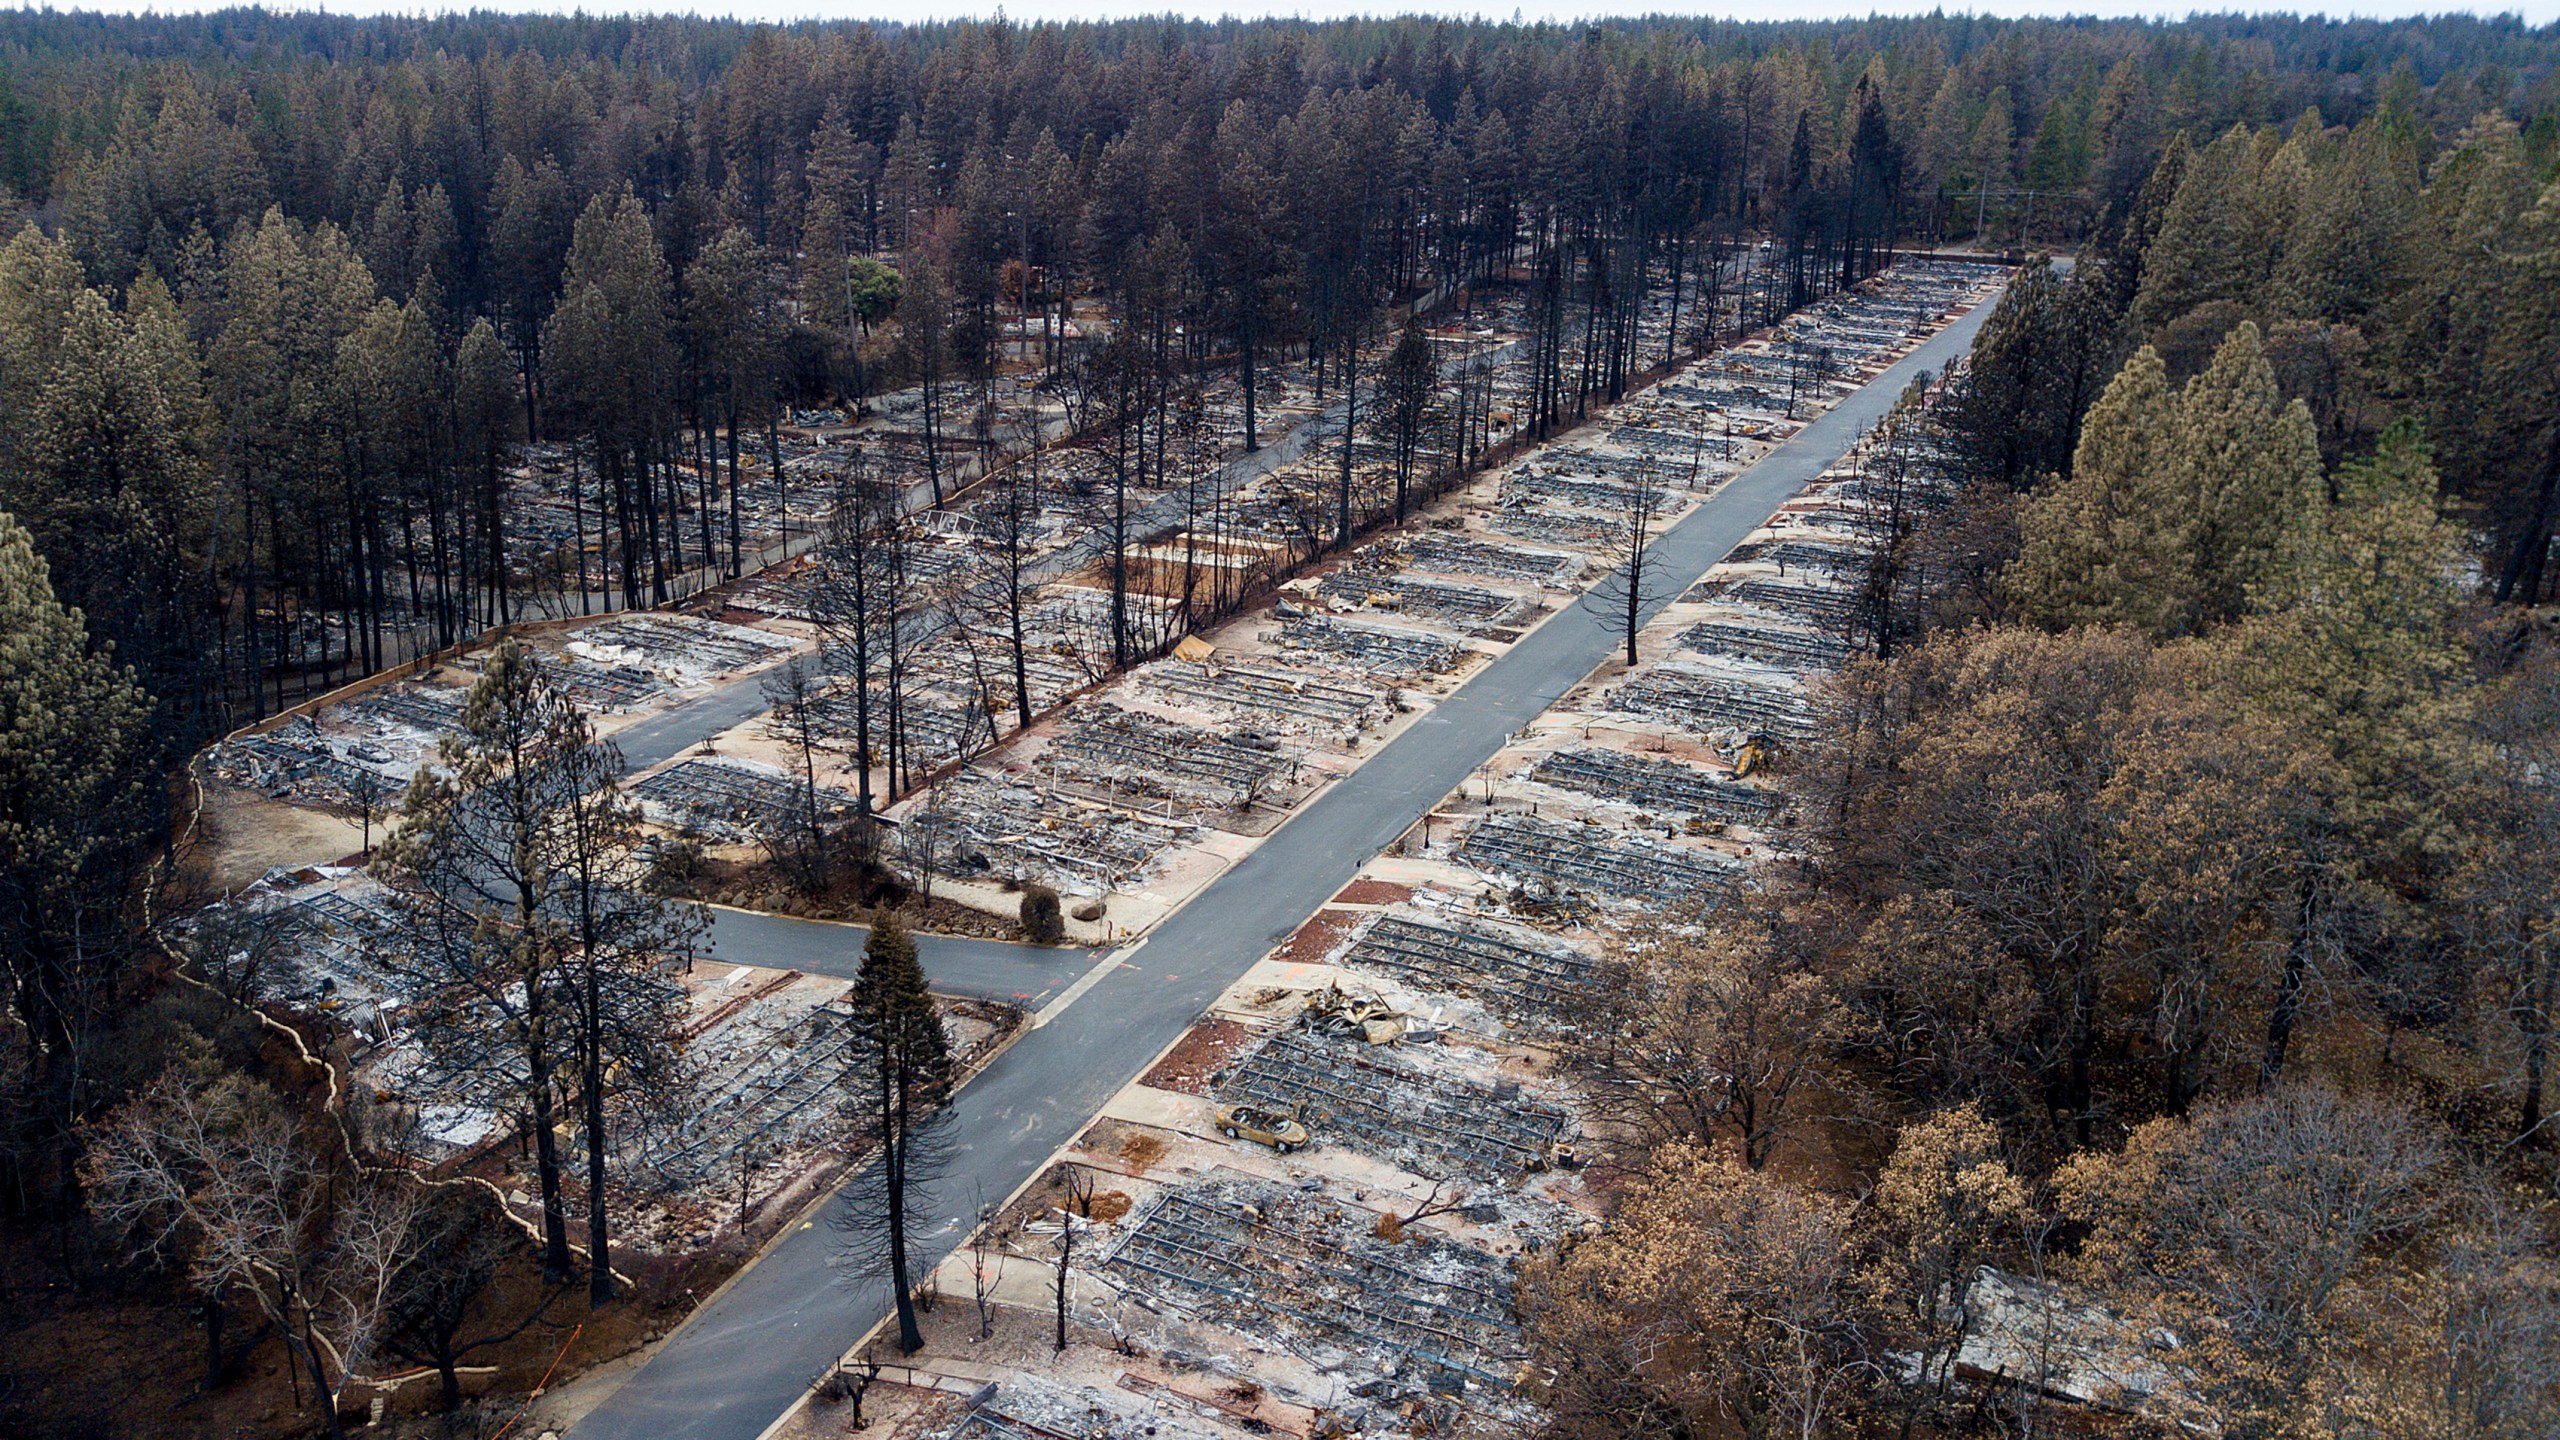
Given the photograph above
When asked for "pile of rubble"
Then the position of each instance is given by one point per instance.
(980, 825)
(1549, 859)
(1130, 753)
(297, 763)
(1784, 646)
(767, 1076)
(1403, 655)
(1817, 606)
(1445, 553)
(1706, 701)
(1256, 694)
(1441, 1126)
(1312, 1271)
(1469, 609)
(679, 649)
(605, 686)
(734, 800)
(1658, 787)
(1519, 981)
(1023, 1409)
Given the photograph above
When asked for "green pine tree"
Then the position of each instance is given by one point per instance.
(901, 1080)
(2350, 664)
(39, 280)
(2521, 470)
(2351, 243)
(2039, 363)
(609, 353)
(2125, 239)
(78, 821)
(2350, 637)
(2244, 463)
(2210, 244)
(2084, 537)
(2175, 503)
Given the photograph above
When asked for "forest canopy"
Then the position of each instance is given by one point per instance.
(325, 249)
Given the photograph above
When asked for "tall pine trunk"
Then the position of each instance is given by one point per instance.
(591, 1082)
(557, 1265)
(893, 1156)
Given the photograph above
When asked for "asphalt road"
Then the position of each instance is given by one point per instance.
(1029, 976)
(669, 734)
(743, 1359)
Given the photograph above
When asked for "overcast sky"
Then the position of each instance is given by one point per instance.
(2540, 12)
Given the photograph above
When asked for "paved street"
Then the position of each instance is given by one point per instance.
(1026, 975)
(665, 736)
(744, 1359)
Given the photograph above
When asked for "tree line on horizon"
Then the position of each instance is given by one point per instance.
(296, 283)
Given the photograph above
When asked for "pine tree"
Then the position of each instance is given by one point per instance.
(112, 481)
(2284, 189)
(2350, 661)
(2096, 547)
(2350, 636)
(839, 167)
(2127, 233)
(288, 298)
(1993, 160)
(78, 819)
(898, 1085)
(1244, 248)
(924, 326)
(610, 355)
(2244, 463)
(629, 1024)
(484, 423)
(1402, 413)
(529, 234)
(2015, 415)
(2523, 396)
(529, 942)
(738, 331)
(2209, 246)
(2174, 506)
(39, 280)
(2123, 124)
(823, 253)
(907, 185)
(2349, 249)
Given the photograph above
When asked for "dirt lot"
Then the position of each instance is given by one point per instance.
(1201, 1053)
(1315, 939)
(1373, 892)
(241, 835)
